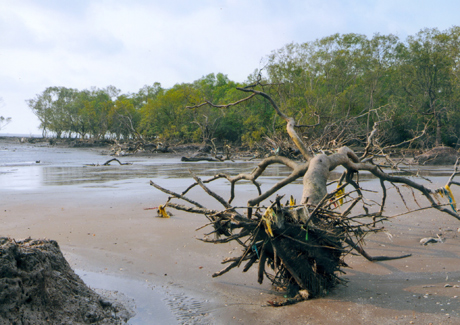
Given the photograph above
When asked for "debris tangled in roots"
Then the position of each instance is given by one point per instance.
(299, 248)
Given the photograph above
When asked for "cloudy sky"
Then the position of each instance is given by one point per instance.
(129, 44)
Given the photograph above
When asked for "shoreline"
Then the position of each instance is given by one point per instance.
(154, 148)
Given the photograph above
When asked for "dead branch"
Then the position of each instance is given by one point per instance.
(211, 193)
(318, 122)
(107, 163)
(290, 123)
(179, 196)
(115, 159)
(196, 159)
(221, 106)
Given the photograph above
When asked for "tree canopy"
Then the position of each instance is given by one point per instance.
(340, 86)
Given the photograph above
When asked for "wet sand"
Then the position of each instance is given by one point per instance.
(104, 230)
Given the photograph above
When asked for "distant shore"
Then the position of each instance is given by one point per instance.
(154, 147)
(139, 148)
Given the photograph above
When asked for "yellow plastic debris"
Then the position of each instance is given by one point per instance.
(162, 212)
(267, 218)
(340, 193)
(450, 195)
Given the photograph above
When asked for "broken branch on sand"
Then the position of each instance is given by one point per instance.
(107, 163)
(196, 159)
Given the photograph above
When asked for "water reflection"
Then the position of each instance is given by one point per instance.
(150, 307)
(19, 168)
(169, 168)
(20, 177)
(32, 176)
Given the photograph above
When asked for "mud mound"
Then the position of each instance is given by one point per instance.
(37, 286)
(438, 156)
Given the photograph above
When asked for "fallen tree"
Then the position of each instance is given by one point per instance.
(303, 244)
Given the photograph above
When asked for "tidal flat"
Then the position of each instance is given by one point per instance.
(103, 220)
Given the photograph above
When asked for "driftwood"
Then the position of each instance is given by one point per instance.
(302, 247)
(196, 159)
(107, 163)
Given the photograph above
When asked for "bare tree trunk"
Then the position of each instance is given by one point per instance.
(438, 141)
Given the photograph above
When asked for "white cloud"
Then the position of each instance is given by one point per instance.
(85, 43)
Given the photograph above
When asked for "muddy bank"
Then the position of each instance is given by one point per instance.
(38, 286)
(438, 156)
(222, 152)
(141, 148)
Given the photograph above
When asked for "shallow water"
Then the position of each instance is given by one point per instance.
(150, 305)
(25, 166)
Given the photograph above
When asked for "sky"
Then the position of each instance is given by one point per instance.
(131, 43)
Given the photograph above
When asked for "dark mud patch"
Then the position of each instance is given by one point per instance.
(438, 156)
(38, 286)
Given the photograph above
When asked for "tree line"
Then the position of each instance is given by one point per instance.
(340, 88)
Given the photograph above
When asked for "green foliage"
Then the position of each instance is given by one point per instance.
(350, 80)
(344, 76)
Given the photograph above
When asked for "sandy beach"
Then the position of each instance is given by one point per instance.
(108, 236)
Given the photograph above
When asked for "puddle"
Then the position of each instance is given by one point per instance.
(152, 305)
